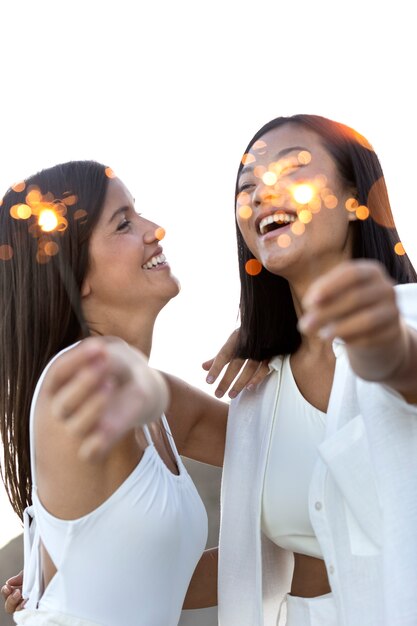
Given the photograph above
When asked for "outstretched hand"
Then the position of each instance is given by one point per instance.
(356, 301)
(101, 389)
(251, 372)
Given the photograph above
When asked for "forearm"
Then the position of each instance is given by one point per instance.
(202, 591)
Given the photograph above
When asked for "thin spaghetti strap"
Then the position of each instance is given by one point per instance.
(147, 435)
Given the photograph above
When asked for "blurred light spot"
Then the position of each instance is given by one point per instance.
(379, 205)
(330, 201)
(51, 248)
(399, 249)
(351, 204)
(245, 212)
(302, 193)
(159, 233)
(243, 198)
(42, 258)
(253, 267)
(304, 157)
(109, 172)
(259, 171)
(80, 214)
(18, 187)
(33, 196)
(284, 241)
(305, 216)
(259, 146)
(248, 158)
(297, 227)
(24, 211)
(362, 212)
(315, 204)
(6, 252)
(70, 200)
(47, 220)
(269, 178)
(14, 211)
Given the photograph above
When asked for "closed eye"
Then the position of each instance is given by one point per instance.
(123, 225)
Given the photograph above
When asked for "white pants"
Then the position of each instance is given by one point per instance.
(319, 611)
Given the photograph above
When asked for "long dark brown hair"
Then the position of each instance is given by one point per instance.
(268, 318)
(41, 273)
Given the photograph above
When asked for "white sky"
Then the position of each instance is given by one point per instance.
(169, 93)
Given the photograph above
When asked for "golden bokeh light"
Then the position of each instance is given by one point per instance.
(351, 204)
(6, 252)
(253, 267)
(80, 214)
(399, 249)
(51, 248)
(330, 201)
(109, 172)
(18, 187)
(159, 233)
(297, 227)
(303, 193)
(305, 216)
(23, 211)
(243, 198)
(48, 220)
(269, 178)
(248, 158)
(362, 212)
(304, 157)
(284, 240)
(259, 171)
(245, 212)
(70, 200)
(259, 146)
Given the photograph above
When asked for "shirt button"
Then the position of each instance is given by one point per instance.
(331, 569)
(318, 506)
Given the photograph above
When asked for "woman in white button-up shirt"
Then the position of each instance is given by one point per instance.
(318, 257)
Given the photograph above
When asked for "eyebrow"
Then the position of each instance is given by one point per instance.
(249, 169)
(122, 209)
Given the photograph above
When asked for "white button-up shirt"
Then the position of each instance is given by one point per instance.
(362, 502)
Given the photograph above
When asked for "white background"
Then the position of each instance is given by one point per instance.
(168, 94)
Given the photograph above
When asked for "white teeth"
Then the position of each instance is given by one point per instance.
(278, 218)
(154, 261)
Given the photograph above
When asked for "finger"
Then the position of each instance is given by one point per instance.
(247, 373)
(230, 374)
(260, 374)
(207, 364)
(16, 580)
(6, 591)
(351, 302)
(364, 328)
(72, 361)
(89, 414)
(342, 278)
(13, 601)
(75, 392)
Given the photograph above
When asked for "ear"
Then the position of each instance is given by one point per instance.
(85, 289)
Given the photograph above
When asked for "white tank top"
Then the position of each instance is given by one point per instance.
(298, 428)
(128, 562)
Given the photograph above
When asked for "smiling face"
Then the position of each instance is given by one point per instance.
(128, 277)
(291, 204)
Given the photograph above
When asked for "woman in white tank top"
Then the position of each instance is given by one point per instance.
(109, 509)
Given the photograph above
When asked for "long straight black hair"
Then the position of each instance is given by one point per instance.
(268, 319)
(41, 274)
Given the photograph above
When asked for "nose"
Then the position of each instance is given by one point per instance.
(153, 233)
(263, 194)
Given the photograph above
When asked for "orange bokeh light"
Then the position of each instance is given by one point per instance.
(6, 252)
(245, 212)
(362, 212)
(159, 233)
(253, 267)
(109, 172)
(399, 249)
(284, 241)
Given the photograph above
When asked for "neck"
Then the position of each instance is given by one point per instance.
(137, 333)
